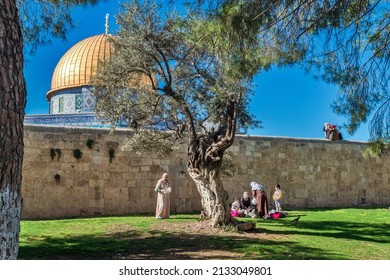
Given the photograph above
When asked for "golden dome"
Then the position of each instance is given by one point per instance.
(80, 63)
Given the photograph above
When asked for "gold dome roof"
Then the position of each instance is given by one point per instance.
(80, 63)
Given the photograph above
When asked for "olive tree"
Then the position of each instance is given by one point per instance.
(178, 79)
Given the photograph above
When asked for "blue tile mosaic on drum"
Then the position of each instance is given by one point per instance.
(79, 120)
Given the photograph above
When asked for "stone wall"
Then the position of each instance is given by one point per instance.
(312, 173)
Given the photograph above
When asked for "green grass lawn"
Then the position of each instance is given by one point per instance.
(346, 234)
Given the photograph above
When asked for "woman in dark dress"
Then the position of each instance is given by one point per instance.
(258, 191)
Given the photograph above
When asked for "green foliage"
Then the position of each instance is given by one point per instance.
(187, 84)
(57, 177)
(355, 56)
(344, 42)
(59, 153)
(156, 142)
(43, 20)
(233, 33)
(77, 153)
(54, 152)
(376, 149)
(90, 143)
(111, 154)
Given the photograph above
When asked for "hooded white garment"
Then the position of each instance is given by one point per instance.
(257, 187)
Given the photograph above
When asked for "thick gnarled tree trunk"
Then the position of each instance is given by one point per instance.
(214, 197)
(12, 104)
(205, 160)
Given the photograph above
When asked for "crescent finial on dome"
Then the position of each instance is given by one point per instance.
(107, 15)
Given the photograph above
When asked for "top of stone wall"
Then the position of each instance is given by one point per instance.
(125, 131)
(293, 139)
(75, 130)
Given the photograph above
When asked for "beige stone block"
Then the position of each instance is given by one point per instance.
(106, 175)
(131, 183)
(165, 168)
(67, 156)
(300, 192)
(344, 175)
(68, 145)
(128, 175)
(282, 155)
(80, 166)
(111, 206)
(96, 193)
(257, 155)
(146, 161)
(96, 183)
(148, 184)
(120, 184)
(121, 166)
(97, 167)
(135, 176)
(97, 159)
(309, 177)
(96, 203)
(145, 168)
(80, 182)
(248, 154)
(185, 193)
(154, 176)
(165, 162)
(251, 148)
(111, 193)
(302, 168)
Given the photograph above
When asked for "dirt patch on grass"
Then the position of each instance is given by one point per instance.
(118, 229)
(203, 228)
(184, 240)
(195, 240)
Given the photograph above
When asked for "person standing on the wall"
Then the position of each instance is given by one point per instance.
(258, 191)
(163, 190)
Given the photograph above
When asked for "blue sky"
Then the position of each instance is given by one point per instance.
(289, 102)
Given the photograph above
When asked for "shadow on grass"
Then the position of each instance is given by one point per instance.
(272, 240)
(377, 233)
(164, 245)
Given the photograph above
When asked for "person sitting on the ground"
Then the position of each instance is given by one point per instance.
(245, 202)
(246, 207)
(235, 207)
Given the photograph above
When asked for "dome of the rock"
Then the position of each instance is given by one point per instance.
(79, 63)
(71, 90)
